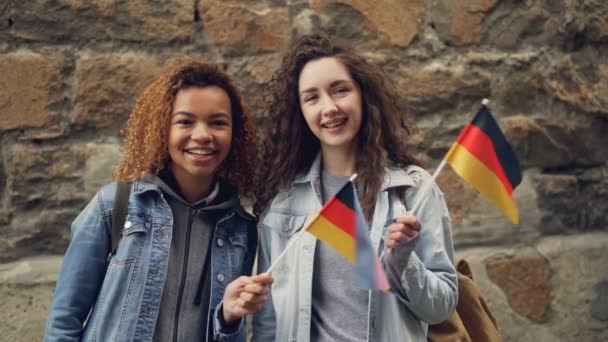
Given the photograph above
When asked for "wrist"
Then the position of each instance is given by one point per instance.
(227, 317)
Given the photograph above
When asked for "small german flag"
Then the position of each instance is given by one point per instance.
(341, 224)
(483, 157)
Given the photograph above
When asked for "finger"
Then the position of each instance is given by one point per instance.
(246, 308)
(249, 298)
(401, 228)
(263, 278)
(403, 235)
(397, 236)
(395, 227)
(255, 288)
(243, 280)
(408, 219)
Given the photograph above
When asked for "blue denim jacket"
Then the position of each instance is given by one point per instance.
(421, 274)
(97, 299)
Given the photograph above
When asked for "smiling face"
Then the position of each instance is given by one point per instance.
(200, 135)
(330, 100)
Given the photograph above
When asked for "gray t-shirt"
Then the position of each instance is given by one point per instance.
(339, 310)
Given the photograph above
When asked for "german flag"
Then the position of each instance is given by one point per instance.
(483, 157)
(341, 224)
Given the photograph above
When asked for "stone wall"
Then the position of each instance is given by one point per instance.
(72, 69)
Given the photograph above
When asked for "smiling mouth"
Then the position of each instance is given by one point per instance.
(334, 124)
(200, 152)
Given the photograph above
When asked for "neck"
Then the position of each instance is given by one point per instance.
(339, 161)
(194, 189)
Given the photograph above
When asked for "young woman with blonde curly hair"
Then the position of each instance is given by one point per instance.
(332, 114)
(177, 273)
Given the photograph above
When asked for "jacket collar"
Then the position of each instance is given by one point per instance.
(393, 177)
(141, 186)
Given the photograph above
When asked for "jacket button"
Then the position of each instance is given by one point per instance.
(220, 242)
(128, 224)
(220, 277)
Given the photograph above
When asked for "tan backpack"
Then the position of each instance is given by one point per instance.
(472, 320)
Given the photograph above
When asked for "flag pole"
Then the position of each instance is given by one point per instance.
(293, 241)
(439, 168)
(484, 102)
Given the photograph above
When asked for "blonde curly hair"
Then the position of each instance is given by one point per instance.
(146, 130)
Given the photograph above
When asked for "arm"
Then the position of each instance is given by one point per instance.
(81, 275)
(421, 271)
(264, 321)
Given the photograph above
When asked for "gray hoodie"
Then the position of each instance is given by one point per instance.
(184, 308)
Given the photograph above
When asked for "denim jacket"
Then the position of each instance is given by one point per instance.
(116, 298)
(421, 273)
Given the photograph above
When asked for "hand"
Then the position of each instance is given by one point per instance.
(245, 295)
(405, 229)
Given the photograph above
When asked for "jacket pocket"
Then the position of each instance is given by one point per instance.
(285, 225)
(237, 253)
(132, 238)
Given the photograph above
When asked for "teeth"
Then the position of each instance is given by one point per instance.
(200, 152)
(334, 124)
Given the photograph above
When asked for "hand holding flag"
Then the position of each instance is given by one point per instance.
(402, 230)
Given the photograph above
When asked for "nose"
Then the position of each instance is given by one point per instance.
(329, 106)
(201, 133)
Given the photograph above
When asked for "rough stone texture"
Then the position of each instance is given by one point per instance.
(396, 21)
(31, 89)
(484, 224)
(106, 86)
(434, 88)
(459, 195)
(5, 216)
(241, 27)
(458, 22)
(83, 22)
(251, 74)
(49, 182)
(26, 288)
(531, 136)
(36, 175)
(580, 82)
(599, 308)
(526, 282)
(5, 20)
(71, 71)
(584, 22)
(576, 263)
(571, 203)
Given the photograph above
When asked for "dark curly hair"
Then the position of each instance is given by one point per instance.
(145, 145)
(290, 147)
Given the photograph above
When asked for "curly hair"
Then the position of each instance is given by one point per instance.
(145, 145)
(290, 147)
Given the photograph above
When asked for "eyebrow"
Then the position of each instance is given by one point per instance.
(332, 84)
(212, 116)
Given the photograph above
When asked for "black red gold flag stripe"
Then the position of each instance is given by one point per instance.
(483, 157)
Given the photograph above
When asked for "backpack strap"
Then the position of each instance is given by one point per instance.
(119, 212)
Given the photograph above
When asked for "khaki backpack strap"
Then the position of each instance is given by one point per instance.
(119, 212)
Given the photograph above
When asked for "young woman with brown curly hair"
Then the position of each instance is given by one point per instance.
(177, 272)
(334, 114)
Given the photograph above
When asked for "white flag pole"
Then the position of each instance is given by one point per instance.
(293, 241)
(439, 168)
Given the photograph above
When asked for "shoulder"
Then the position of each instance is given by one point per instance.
(420, 177)
(106, 195)
(298, 199)
(412, 176)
